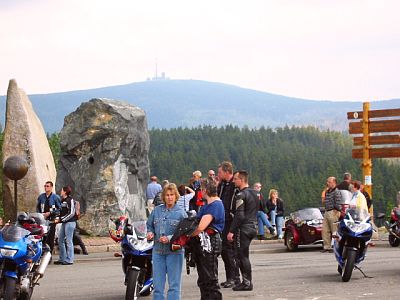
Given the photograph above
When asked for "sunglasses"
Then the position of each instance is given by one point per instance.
(47, 185)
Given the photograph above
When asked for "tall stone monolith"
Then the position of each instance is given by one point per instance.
(24, 136)
(104, 158)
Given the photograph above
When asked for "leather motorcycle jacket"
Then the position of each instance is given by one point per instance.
(226, 192)
(247, 205)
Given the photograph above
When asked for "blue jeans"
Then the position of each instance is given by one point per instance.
(278, 222)
(65, 242)
(167, 265)
(262, 220)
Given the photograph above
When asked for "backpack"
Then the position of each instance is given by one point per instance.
(77, 209)
(157, 200)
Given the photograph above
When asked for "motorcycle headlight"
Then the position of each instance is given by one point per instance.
(358, 227)
(140, 245)
(8, 252)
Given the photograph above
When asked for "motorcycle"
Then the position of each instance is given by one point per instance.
(351, 242)
(136, 256)
(23, 258)
(393, 226)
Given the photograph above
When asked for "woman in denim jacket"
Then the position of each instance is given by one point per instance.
(161, 226)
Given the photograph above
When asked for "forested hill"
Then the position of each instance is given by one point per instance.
(296, 161)
(192, 103)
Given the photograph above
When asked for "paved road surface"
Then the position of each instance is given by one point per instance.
(306, 274)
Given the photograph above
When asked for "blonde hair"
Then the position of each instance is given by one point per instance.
(271, 191)
(197, 173)
(170, 187)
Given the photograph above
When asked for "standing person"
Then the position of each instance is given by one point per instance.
(358, 200)
(275, 212)
(211, 175)
(186, 194)
(49, 205)
(195, 183)
(157, 199)
(262, 217)
(332, 202)
(161, 226)
(153, 188)
(68, 224)
(367, 196)
(212, 220)
(346, 183)
(226, 192)
(244, 227)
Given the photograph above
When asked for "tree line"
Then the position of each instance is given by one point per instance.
(294, 160)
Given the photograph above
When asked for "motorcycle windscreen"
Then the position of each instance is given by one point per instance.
(12, 233)
(140, 229)
(358, 214)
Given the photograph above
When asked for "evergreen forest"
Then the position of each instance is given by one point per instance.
(294, 160)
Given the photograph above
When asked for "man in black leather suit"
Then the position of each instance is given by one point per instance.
(244, 228)
(226, 192)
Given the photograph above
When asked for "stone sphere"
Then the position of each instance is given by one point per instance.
(15, 167)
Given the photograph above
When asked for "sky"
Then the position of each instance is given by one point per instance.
(323, 50)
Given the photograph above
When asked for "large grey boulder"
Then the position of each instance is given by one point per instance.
(24, 136)
(104, 158)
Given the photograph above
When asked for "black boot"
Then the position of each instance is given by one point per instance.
(243, 287)
(246, 285)
(229, 283)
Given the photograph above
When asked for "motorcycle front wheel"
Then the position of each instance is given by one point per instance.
(349, 265)
(26, 296)
(9, 288)
(132, 289)
(393, 241)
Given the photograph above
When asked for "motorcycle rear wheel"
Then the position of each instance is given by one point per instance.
(393, 241)
(9, 288)
(349, 265)
(132, 290)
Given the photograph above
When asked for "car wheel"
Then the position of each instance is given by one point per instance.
(289, 240)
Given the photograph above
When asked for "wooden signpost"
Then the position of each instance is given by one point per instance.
(378, 137)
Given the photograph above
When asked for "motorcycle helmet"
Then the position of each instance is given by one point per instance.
(22, 218)
(116, 228)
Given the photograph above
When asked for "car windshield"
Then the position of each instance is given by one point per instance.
(358, 214)
(13, 233)
(306, 214)
(140, 229)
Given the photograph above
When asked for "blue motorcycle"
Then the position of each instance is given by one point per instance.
(351, 243)
(23, 259)
(136, 256)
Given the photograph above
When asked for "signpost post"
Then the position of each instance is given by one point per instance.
(374, 142)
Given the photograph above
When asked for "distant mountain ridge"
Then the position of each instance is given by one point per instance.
(190, 103)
